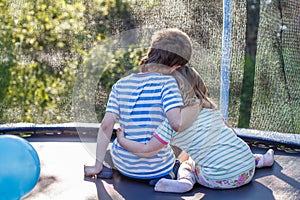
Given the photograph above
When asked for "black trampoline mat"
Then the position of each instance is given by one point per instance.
(62, 177)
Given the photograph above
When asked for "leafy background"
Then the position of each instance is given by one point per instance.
(44, 44)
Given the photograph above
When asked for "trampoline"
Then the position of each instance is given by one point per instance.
(62, 158)
(60, 146)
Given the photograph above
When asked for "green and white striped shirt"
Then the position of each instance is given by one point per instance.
(214, 147)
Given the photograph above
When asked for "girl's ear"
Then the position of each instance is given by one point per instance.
(174, 67)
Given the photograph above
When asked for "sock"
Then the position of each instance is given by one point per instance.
(266, 160)
(175, 186)
(269, 158)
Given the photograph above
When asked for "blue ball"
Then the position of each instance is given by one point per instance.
(19, 167)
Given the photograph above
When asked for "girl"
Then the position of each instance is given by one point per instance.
(218, 158)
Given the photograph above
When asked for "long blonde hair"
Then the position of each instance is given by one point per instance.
(192, 87)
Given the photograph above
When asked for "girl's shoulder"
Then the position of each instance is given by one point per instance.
(211, 111)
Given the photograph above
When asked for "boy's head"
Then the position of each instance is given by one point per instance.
(169, 47)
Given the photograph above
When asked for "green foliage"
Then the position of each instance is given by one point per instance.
(247, 92)
(123, 62)
(37, 50)
(35, 94)
(42, 46)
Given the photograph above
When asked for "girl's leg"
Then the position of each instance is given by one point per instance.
(183, 156)
(264, 160)
(234, 182)
(184, 183)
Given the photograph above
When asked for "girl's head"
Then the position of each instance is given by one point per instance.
(169, 47)
(192, 86)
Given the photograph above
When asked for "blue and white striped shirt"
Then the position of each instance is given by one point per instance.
(140, 101)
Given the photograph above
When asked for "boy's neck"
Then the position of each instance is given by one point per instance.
(143, 73)
(162, 69)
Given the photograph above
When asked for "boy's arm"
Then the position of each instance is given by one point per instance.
(140, 149)
(103, 139)
(181, 118)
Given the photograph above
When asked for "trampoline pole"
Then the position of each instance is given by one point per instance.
(225, 64)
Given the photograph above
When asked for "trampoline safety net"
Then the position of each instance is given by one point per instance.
(267, 53)
(264, 54)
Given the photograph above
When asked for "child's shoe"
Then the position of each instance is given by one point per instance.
(106, 173)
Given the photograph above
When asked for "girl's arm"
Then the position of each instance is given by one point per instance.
(181, 118)
(142, 150)
(183, 156)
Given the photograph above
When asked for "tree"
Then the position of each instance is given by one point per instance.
(43, 43)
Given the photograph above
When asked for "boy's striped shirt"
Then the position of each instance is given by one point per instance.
(140, 102)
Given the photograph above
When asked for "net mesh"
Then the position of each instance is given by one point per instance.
(275, 103)
(277, 82)
(265, 52)
(201, 20)
(275, 54)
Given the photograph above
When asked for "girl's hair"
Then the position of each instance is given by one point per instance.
(192, 86)
(168, 47)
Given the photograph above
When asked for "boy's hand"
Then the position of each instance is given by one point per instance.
(92, 170)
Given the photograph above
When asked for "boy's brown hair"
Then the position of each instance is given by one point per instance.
(169, 47)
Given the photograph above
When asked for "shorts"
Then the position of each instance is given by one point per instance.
(188, 170)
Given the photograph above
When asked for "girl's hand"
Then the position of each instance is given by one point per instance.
(120, 133)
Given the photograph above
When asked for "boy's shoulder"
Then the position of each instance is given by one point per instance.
(153, 76)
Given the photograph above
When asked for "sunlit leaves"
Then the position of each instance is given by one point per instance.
(42, 45)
